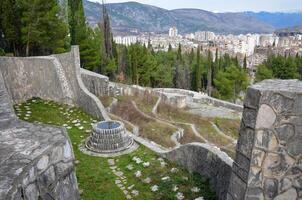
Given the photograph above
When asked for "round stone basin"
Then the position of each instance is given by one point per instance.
(108, 125)
(109, 137)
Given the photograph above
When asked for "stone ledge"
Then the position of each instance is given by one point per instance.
(32, 159)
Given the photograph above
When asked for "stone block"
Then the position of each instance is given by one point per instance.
(266, 117)
(237, 187)
(266, 139)
(270, 188)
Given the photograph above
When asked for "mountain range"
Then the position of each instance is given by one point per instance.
(129, 16)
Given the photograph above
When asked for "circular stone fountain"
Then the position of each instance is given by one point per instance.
(109, 137)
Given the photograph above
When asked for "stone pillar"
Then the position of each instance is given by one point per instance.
(268, 163)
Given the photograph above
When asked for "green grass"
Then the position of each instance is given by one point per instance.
(96, 179)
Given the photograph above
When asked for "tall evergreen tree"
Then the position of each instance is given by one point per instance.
(245, 62)
(198, 72)
(10, 25)
(209, 73)
(42, 29)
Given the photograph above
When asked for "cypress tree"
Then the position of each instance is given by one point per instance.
(198, 71)
(245, 62)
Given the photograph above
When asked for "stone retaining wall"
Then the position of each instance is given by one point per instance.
(56, 77)
(208, 161)
(97, 84)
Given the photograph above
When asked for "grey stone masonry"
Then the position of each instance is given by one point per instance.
(55, 77)
(208, 161)
(268, 164)
(97, 84)
(36, 161)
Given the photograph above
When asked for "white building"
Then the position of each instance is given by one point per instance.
(173, 32)
(127, 40)
(205, 36)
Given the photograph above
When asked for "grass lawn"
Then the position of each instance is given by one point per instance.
(98, 180)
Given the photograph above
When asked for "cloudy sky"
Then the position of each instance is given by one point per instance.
(224, 5)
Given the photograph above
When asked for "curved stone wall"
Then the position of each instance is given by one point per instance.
(97, 84)
(208, 161)
(56, 77)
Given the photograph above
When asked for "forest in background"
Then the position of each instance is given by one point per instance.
(38, 27)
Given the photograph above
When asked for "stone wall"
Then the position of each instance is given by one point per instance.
(97, 84)
(36, 161)
(200, 98)
(55, 77)
(208, 161)
(269, 151)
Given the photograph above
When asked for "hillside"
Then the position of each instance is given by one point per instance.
(278, 20)
(133, 15)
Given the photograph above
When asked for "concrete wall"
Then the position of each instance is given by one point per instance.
(206, 160)
(269, 151)
(55, 77)
(36, 161)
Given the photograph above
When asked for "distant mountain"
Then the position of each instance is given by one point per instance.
(278, 20)
(145, 18)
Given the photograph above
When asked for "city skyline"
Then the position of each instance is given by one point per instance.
(222, 6)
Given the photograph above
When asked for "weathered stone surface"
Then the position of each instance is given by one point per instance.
(285, 132)
(266, 117)
(237, 188)
(43, 162)
(289, 194)
(285, 184)
(249, 118)
(270, 188)
(266, 139)
(258, 157)
(246, 141)
(277, 164)
(215, 165)
(274, 171)
(281, 104)
(28, 153)
(255, 177)
(31, 192)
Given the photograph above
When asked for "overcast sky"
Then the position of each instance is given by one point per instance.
(224, 5)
